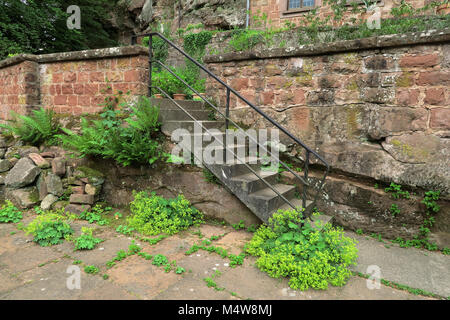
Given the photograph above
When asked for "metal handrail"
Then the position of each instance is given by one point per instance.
(225, 147)
(227, 119)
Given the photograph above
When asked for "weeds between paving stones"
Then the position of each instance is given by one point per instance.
(157, 260)
(206, 245)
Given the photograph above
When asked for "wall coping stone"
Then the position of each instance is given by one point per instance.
(379, 42)
(127, 51)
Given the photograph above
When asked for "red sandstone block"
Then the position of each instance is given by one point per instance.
(60, 100)
(72, 100)
(427, 60)
(299, 96)
(77, 110)
(408, 97)
(105, 88)
(114, 76)
(132, 76)
(57, 77)
(96, 101)
(67, 89)
(433, 78)
(434, 96)
(89, 66)
(91, 89)
(84, 100)
(104, 64)
(138, 88)
(123, 63)
(440, 118)
(267, 97)
(123, 87)
(239, 84)
(97, 77)
(139, 62)
(70, 77)
(78, 88)
(83, 77)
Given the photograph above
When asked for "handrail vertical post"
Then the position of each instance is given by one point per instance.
(227, 111)
(150, 66)
(306, 179)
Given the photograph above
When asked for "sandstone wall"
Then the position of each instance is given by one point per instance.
(71, 82)
(378, 113)
(19, 86)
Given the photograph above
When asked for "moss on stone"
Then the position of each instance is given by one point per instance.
(404, 80)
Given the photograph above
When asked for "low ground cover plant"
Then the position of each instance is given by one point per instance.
(152, 214)
(9, 213)
(49, 228)
(308, 257)
(86, 241)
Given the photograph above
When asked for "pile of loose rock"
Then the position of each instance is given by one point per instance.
(47, 176)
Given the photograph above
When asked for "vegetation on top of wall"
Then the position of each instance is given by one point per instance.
(133, 143)
(315, 29)
(317, 32)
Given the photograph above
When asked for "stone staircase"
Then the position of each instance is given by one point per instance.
(236, 177)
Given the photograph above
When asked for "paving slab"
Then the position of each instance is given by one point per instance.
(139, 277)
(28, 257)
(50, 283)
(413, 267)
(249, 282)
(190, 288)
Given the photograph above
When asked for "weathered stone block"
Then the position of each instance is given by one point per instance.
(5, 165)
(24, 198)
(59, 166)
(82, 199)
(48, 201)
(77, 209)
(23, 174)
(39, 160)
(54, 184)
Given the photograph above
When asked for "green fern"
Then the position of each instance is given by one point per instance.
(40, 127)
(109, 138)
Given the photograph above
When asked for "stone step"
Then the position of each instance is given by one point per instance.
(266, 200)
(169, 126)
(180, 115)
(185, 104)
(250, 183)
(227, 171)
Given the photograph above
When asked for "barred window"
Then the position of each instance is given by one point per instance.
(297, 4)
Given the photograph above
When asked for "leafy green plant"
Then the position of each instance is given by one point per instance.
(9, 213)
(91, 269)
(239, 226)
(309, 257)
(394, 210)
(94, 216)
(40, 127)
(152, 215)
(49, 229)
(159, 260)
(86, 241)
(397, 192)
(126, 138)
(126, 230)
(210, 177)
